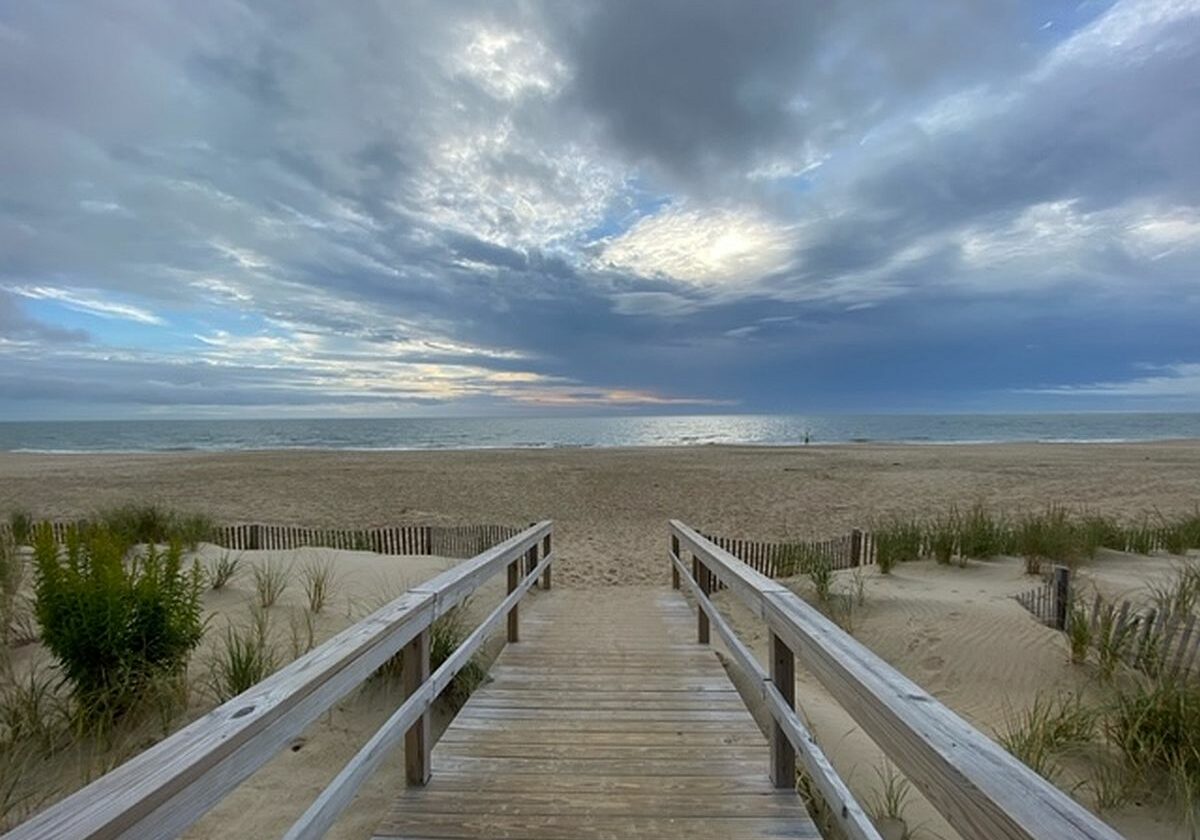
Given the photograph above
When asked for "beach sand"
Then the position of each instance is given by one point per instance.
(610, 506)
(955, 631)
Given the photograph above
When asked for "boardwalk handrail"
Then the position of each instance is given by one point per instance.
(845, 809)
(981, 790)
(167, 788)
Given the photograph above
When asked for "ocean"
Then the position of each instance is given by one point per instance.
(534, 432)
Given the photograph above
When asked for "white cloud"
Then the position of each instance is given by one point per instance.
(1180, 380)
(509, 64)
(704, 247)
(90, 302)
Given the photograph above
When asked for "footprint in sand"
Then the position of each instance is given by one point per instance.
(933, 663)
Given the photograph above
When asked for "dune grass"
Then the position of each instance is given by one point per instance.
(1041, 733)
(271, 578)
(150, 523)
(246, 656)
(223, 569)
(319, 580)
(897, 540)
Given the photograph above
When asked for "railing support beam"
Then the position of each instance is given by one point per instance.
(546, 548)
(514, 634)
(674, 568)
(783, 676)
(700, 575)
(418, 740)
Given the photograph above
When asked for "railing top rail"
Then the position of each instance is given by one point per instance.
(163, 790)
(982, 790)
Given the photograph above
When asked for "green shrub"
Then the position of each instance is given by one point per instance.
(114, 619)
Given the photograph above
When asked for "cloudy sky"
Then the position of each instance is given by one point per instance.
(431, 208)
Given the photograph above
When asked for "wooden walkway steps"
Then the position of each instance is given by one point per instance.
(606, 720)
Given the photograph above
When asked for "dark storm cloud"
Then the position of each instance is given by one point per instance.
(697, 86)
(297, 203)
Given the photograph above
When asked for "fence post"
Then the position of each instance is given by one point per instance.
(674, 568)
(513, 619)
(546, 547)
(700, 575)
(1062, 596)
(783, 675)
(418, 739)
(255, 537)
(856, 546)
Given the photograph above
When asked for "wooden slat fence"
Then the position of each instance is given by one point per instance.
(1040, 602)
(1148, 639)
(783, 559)
(437, 540)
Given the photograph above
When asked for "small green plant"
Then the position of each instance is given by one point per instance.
(319, 582)
(820, 573)
(943, 538)
(1155, 724)
(1043, 731)
(20, 526)
(1051, 537)
(31, 710)
(303, 633)
(1079, 633)
(114, 618)
(245, 657)
(146, 524)
(445, 636)
(889, 803)
(1177, 595)
(1140, 538)
(270, 581)
(898, 541)
(223, 569)
(12, 577)
(1113, 636)
(980, 535)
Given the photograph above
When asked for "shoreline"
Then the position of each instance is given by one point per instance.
(572, 447)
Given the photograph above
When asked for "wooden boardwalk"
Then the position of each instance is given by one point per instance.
(606, 720)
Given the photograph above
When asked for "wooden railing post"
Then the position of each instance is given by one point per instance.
(514, 569)
(856, 547)
(674, 568)
(531, 561)
(546, 548)
(783, 675)
(700, 575)
(418, 740)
